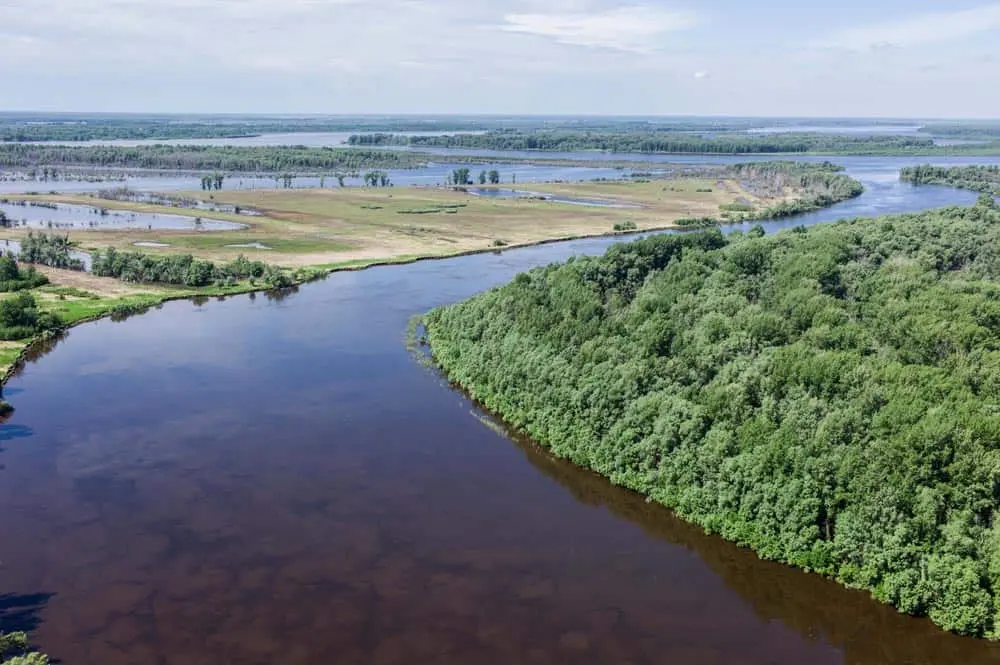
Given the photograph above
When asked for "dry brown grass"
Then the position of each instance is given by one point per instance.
(106, 287)
(316, 227)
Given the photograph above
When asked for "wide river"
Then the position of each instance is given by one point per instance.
(276, 479)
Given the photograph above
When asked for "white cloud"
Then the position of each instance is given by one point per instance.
(635, 28)
(928, 28)
(701, 75)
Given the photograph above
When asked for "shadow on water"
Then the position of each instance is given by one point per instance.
(868, 632)
(20, 612)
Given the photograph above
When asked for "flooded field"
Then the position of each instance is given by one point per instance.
(65, 217)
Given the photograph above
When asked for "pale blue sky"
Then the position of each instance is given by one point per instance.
(768, 57)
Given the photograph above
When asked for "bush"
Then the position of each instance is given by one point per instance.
(181, 269)
(20, 318)
(49, 250)
(12, 278)
(14, 651)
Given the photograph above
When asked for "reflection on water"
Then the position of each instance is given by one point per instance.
(274, 479)
(867, 632)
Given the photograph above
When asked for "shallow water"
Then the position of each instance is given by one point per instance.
(275, 478)
(66, 217)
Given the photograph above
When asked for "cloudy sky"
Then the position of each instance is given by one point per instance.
(914, 58)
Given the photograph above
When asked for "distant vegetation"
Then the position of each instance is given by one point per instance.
(817, 185)
(814, 186)
(98, 127)
(982, 179)
(825, 396)
(964, 130)
(661, 142)
(257, 159)
(109, 128)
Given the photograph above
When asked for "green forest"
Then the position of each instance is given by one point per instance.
(257, 159)
(829, 397)
(669, 142)
(983, 179)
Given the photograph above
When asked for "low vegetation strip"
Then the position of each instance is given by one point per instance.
(829, 397)
(242, 159)
(652, 142)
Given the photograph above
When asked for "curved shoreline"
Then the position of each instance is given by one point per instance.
(31, 345)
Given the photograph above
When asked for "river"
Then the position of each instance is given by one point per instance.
(275, 479)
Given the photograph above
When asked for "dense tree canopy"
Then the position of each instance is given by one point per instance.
(829, 397)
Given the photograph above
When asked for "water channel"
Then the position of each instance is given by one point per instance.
(275, 479)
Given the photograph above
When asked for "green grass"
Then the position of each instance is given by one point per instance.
(10, 353)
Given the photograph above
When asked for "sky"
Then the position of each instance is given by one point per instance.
(889, 58)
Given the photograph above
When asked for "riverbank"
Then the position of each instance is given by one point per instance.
(79, 308)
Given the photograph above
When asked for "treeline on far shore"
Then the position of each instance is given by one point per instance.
(982, 179)
(653, 142)
(813, 186)
(239, 159)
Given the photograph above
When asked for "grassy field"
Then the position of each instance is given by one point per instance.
(335, 226)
